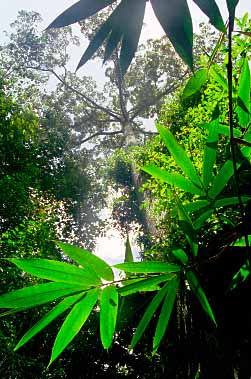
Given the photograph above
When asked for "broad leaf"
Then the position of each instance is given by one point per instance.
(165, 313)
(143, 284)
(148, 267)
(173, 179)
(188, 228)
(202, 218)
(210, 8)
(210, 153)
(231, 5)
(151, 309)
(179, 155)
(108, 314)
(39, 294)
(200, 294)
(56, 271)
(79, 11)
(218, 77)
(243, 109)
(74, 322)
(180, 255)
(88, 260)
(195, 83)
(174, 17)
(196, 205)
(230, 201)
(48, 318)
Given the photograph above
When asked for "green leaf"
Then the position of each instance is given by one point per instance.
(78, 12)
(218, 76)
(128, 251)
(200, 294)
(165, 313)
(231, 5)
(174, 17)
(48, 318)
(131, 24)
(88, 260)
(195, 83)
(173, 179)
(180, 255)
(210, 153)
(188, 228)
(196, 205)
(221, 180)
(74, 322)
(230, 201)
(240, 276)
(143, 284)
(56, 271)
(108, 314)
(242, 241)
(243, 109)
(179, 155)
(148, 267)
(203, 217)
(210, 8)
(39, 294)
(151, 309)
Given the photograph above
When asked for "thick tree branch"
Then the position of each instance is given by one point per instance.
(87, 99)
(102, 133)
(142, 107)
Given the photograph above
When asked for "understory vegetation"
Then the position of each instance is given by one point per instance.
(180, 188)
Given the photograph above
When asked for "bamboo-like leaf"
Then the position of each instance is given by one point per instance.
(196, 205)
(203, 217)
(210, 153)
(188, 228)
(174, 17)
(143, 284)
(48, 318)
(195, 83)
(113, 40)
(88, 260)
(151, 309)
(179, 155)
(132, 22)
(221, 180)
(230, 201)
(108, 315)
(79, 11)
(40, 294)
(218, 77)
(74, 322)
(57, 271)
(128, 251)
(200, 294)
(240, 276)
(180, 255)
(243, 109)
(148, 267)
(174, 179)
(210, 8)
(231, 5)
(165, 313)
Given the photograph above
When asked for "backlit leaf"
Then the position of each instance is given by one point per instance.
(210, 8)
(221, 180)
(88, 260)
(243, 109)
(173, 179)
(202, 218)
(230, 201)
(108, 314)
(148, 267)
(195, 83)
(74, 322)
(143, 284)
(48, 318)
(180, 255)
(179, 155)
(79, 11)
(39, 294)
(56, 271)
(151, 309)
(200, 294)
(165, 313)
(210, 153)
(174, 17)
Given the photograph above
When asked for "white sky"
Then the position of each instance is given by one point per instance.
(110, 248)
